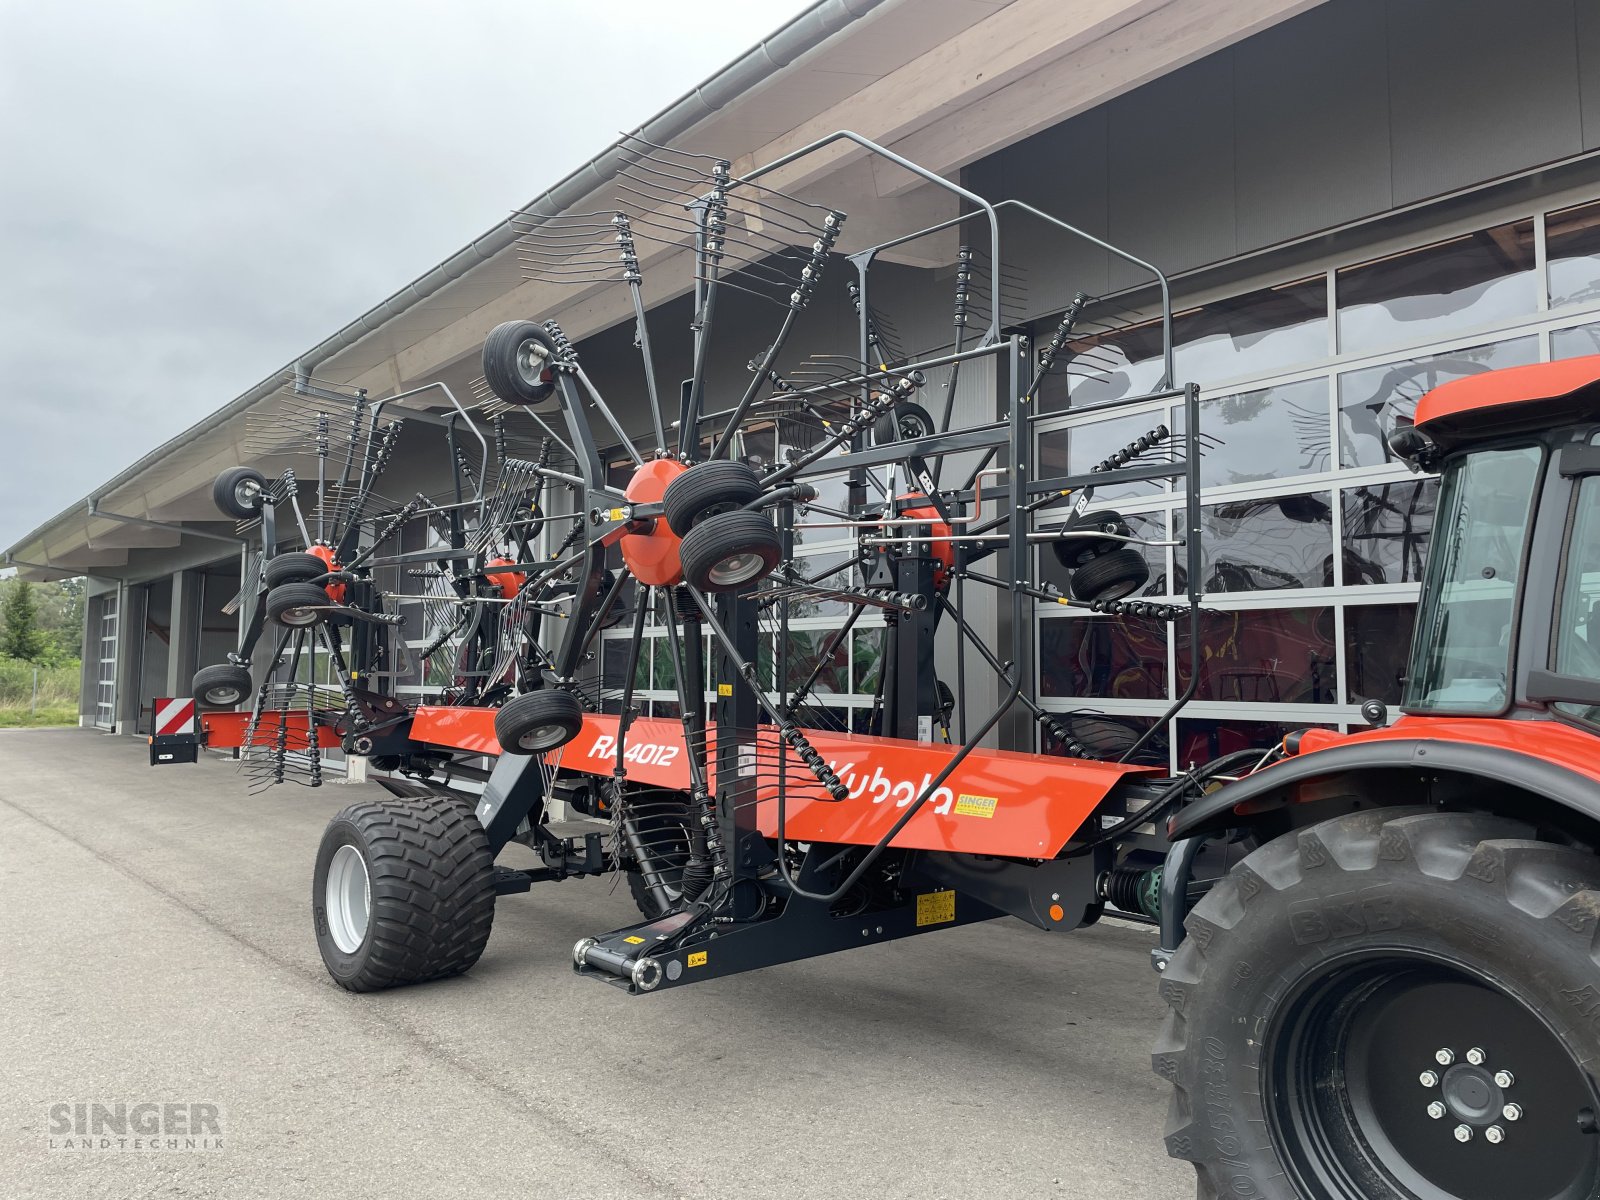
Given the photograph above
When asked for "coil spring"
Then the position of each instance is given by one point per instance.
(1137, 608)
(1144, 442)
(1058, 733)
(807, 753)
(564, 350)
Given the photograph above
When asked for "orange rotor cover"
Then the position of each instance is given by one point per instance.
(325, 553)
(509, 582)
(653, 557)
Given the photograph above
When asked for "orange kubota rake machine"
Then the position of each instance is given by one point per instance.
(1393, 992)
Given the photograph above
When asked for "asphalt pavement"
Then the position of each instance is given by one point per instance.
(156, 953)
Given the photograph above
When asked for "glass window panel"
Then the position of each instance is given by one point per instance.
(1263, 656)
(669, 709)
(1373, 401)
(809, 651)
(1268, 544)
(811, 567)
(1577, 630)
(1249, 334)
(666, 675)
(1462, 657)
(1269, 434)
(1200, 739)
(1377, 638)
(1386, 529)
(1433, 291)
(1150, 526)
(1572, 249)
(1575, 342)
(1109, 737)
(866, 649)
(1091, 656)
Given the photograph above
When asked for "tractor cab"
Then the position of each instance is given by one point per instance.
(1517, 526)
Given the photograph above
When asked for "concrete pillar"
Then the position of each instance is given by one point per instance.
(131, 607)
(183, 650)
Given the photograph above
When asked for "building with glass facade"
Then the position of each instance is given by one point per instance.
(1357, 200)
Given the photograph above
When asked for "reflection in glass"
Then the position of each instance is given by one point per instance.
(1373, 401)
(1386, 528)
(1433, 291)
(1091, 656)
(1200, 740)
(1575, 342)
(866, 650)
(806, 652)
(1270, 434)
(1377, 638)
(1572, 250)
(1263, 656)
(1268, 544)
(1226, 339)
(1108, 738)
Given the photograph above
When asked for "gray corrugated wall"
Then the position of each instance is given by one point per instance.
(1349, 110)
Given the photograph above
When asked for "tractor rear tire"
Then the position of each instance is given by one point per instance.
(1390, 1004)
(237, 493)
(403, 892)
(1110, 576)
(222, 686)
(730, 551)
(707, 489)
(538, 722)
(293, 567)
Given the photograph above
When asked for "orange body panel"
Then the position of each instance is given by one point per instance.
(1478, 394)
(325, 553)
(509, 582)
(653, 557)
(996, 802)
(225, 730)
(1550, 741)
(944, 553)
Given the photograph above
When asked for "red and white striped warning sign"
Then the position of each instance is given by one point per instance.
(174, 715)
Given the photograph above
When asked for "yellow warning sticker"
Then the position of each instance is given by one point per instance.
(697, 959)
(724, 689)
(634, 940)
(976, 806)
(935, 908)
(617, 514)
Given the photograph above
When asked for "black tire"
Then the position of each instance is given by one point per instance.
(516, 363)
(662, 826)
(429, 877)
(707, 489)
(1104, 737)
(237, 492)
(1324, 977)
(222, 686)
(294, 567)
(297, 605)
(538, 722)
(905, 422)
(1074, 552)
(730, 551)
(1110, 576)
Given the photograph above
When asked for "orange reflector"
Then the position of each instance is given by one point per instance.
(1057, 912)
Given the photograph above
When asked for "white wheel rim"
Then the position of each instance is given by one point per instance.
(347, 896)
(245, 492)
(542, 737)
(224, 695)
(299, 616)
(737, 568)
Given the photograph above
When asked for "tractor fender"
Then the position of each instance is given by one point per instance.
(1239, 805)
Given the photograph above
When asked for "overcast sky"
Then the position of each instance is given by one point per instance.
(192, 193)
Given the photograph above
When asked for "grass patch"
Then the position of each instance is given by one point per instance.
(18, 717)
